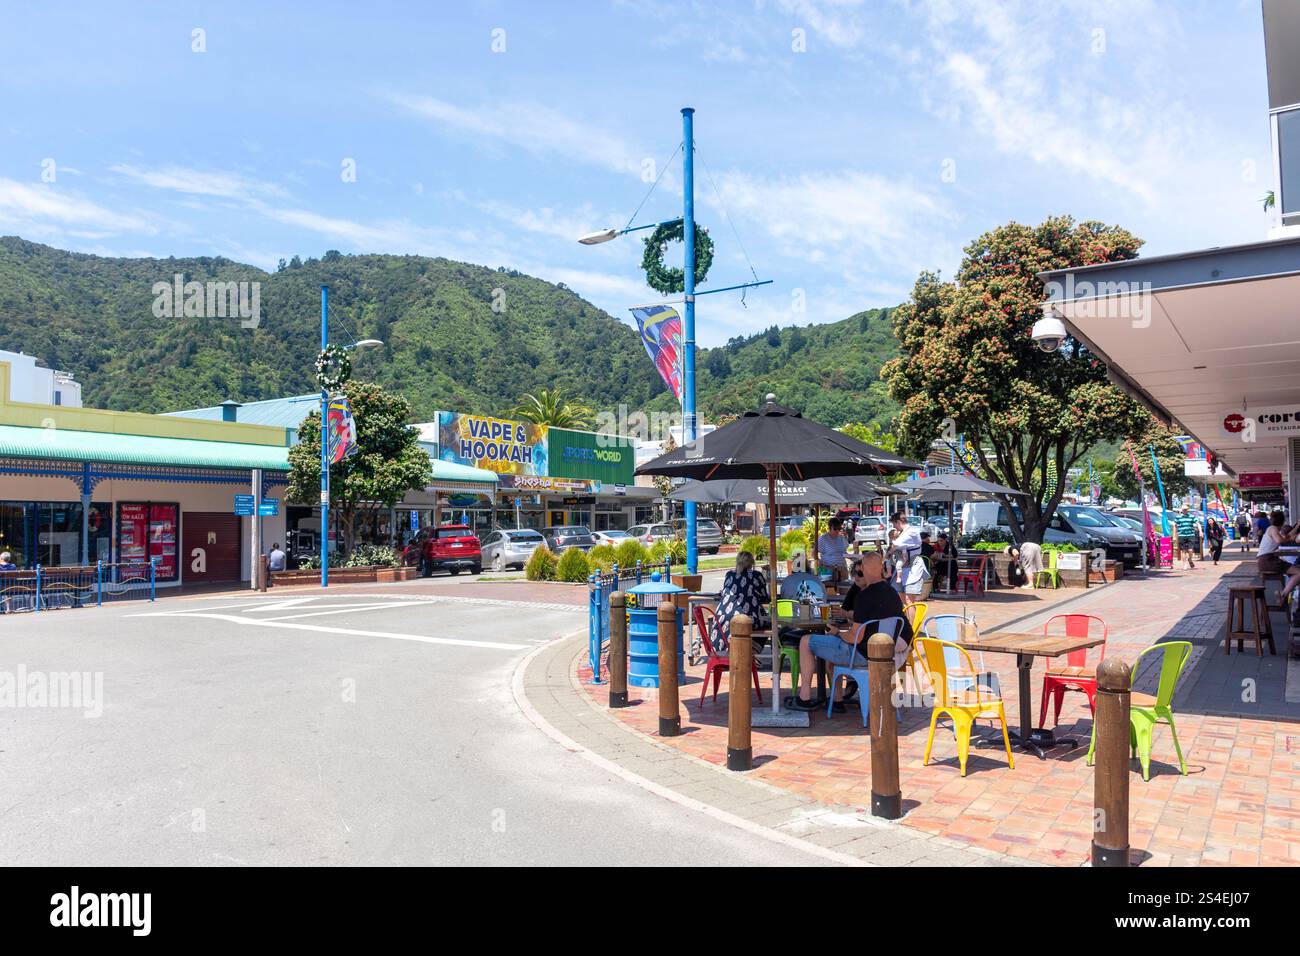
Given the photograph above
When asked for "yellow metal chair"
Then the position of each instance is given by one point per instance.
(961, 701)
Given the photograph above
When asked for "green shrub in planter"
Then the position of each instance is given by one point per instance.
(628, 553)
(541, 565)
(675, 549)
(756, 544)
(377, 555)
(602, 558)
(986, 535)
(573, 566)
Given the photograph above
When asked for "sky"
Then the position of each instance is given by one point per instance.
(843, 146)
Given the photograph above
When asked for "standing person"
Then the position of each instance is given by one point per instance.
(910, 574)
(1185, 529)
(1243, 530)
(1216, 535)
(1031, 562)
(832, 547)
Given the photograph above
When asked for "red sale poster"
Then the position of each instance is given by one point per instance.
(148, 531)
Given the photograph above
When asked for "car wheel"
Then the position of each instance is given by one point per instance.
(425, 570)
(453, 571)
(497, 563)
(478, 569)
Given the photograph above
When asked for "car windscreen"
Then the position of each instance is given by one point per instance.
(708, 524)
(1086, 519)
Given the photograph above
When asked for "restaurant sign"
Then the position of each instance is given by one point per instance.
(1260, 481)
(544, 484)
(493, 444)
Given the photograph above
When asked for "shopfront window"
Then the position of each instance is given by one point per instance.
(48, 533)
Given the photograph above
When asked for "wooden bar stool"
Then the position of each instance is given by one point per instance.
(1261, 629)
(1280, 578)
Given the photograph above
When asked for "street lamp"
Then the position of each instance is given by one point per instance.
(687, 219)
(324, 440)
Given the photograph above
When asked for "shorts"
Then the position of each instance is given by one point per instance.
(835, 651)
(1273, 564)
(1186, 544)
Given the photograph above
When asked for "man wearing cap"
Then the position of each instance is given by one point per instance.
(1186, 531)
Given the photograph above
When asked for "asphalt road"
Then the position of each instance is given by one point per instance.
(308, 729)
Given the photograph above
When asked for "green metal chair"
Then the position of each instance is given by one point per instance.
(1146, 711)
(1050, 572)
(786, 608)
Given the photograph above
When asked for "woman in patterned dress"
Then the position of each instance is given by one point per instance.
(744, 591)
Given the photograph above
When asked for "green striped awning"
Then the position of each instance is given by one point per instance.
(450, 471)
(65, 445)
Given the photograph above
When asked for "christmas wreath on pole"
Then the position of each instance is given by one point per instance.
(663, 279)
(333, 368)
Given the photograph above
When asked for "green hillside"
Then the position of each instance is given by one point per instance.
(446, 346)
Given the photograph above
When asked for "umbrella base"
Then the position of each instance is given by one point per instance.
(782, 718)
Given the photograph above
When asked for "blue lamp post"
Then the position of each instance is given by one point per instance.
(689, 430)
(324, 438)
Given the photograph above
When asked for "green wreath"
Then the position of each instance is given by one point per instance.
(333, 367)
(663, 279)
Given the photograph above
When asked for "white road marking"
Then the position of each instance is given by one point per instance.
(357, 632)
(340, 609)
(279, 605)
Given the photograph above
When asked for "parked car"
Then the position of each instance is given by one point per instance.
(1122, 543)
(872, 530)
(614, 536)
(510, 547)
(449, 547)
(569, 536)
(1085, 528)
(708, 534)
(648, 534)
(785, 524)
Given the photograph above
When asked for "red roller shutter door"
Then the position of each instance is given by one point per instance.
(211, 547)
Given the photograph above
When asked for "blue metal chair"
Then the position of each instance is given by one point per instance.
(947, 627)
(893, 626)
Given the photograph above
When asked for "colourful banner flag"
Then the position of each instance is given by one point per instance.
(661, 334)
(340, 429)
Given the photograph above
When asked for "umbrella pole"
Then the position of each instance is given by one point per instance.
(772, 566)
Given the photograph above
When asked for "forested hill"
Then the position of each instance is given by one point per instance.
(446, 346)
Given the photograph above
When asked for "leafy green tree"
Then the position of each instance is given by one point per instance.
(552, 407)
(388, 462)
(1169, 454)
(967, 363)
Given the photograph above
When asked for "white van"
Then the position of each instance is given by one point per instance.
(992, 514)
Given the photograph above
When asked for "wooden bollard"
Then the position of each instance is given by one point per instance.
(1111, 774)
(618, 649)
(886, 798)
(670, 718)
(740, 747)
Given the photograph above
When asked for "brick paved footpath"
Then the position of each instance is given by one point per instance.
(1239, 804)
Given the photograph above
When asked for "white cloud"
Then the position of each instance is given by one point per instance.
(198, 182)
(530, 126)
(41, 209)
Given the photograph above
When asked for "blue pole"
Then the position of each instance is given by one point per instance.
(688, 327)
(38, 587)
(324, 450)
(99, 584)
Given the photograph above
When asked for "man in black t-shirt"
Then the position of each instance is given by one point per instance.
(871, 598)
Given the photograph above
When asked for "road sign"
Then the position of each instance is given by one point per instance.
(270, 508)
(244, 505)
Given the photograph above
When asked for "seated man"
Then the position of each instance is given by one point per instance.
(944, 560)
(870, 599)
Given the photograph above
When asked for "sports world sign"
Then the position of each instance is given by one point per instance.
(493, 444)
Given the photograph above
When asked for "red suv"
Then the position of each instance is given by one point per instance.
(450, 547)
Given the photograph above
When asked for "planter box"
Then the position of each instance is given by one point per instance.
(691, 582)
(1114, 571)
(365, 575)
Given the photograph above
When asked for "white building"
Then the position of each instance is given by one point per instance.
(30, 381)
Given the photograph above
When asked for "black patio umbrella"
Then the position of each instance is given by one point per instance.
(951, 487)
(814, 491)
(773, 442)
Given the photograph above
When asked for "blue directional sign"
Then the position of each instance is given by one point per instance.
(270, 507)
(244, 505)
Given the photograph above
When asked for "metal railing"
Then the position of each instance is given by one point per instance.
(600, 585)
(52, 588)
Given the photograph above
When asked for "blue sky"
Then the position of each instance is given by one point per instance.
(901, 130)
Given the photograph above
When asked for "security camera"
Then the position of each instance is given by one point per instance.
(1049, 332)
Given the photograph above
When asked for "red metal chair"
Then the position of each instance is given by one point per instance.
(717, 662)
(1075, 675)
(972, 576)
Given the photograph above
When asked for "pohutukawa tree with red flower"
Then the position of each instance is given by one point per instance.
(968, 364)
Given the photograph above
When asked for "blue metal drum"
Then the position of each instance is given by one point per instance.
(643, 632)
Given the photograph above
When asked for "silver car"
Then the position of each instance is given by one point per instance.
(511, 547)
(708, 535)
(871, 529)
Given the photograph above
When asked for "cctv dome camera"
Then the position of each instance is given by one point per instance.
(1049, 332)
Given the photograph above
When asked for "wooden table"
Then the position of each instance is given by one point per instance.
(1026, 647)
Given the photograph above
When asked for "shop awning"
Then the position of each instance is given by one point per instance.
(65, 445)
(445, 471)
(1198, 337)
